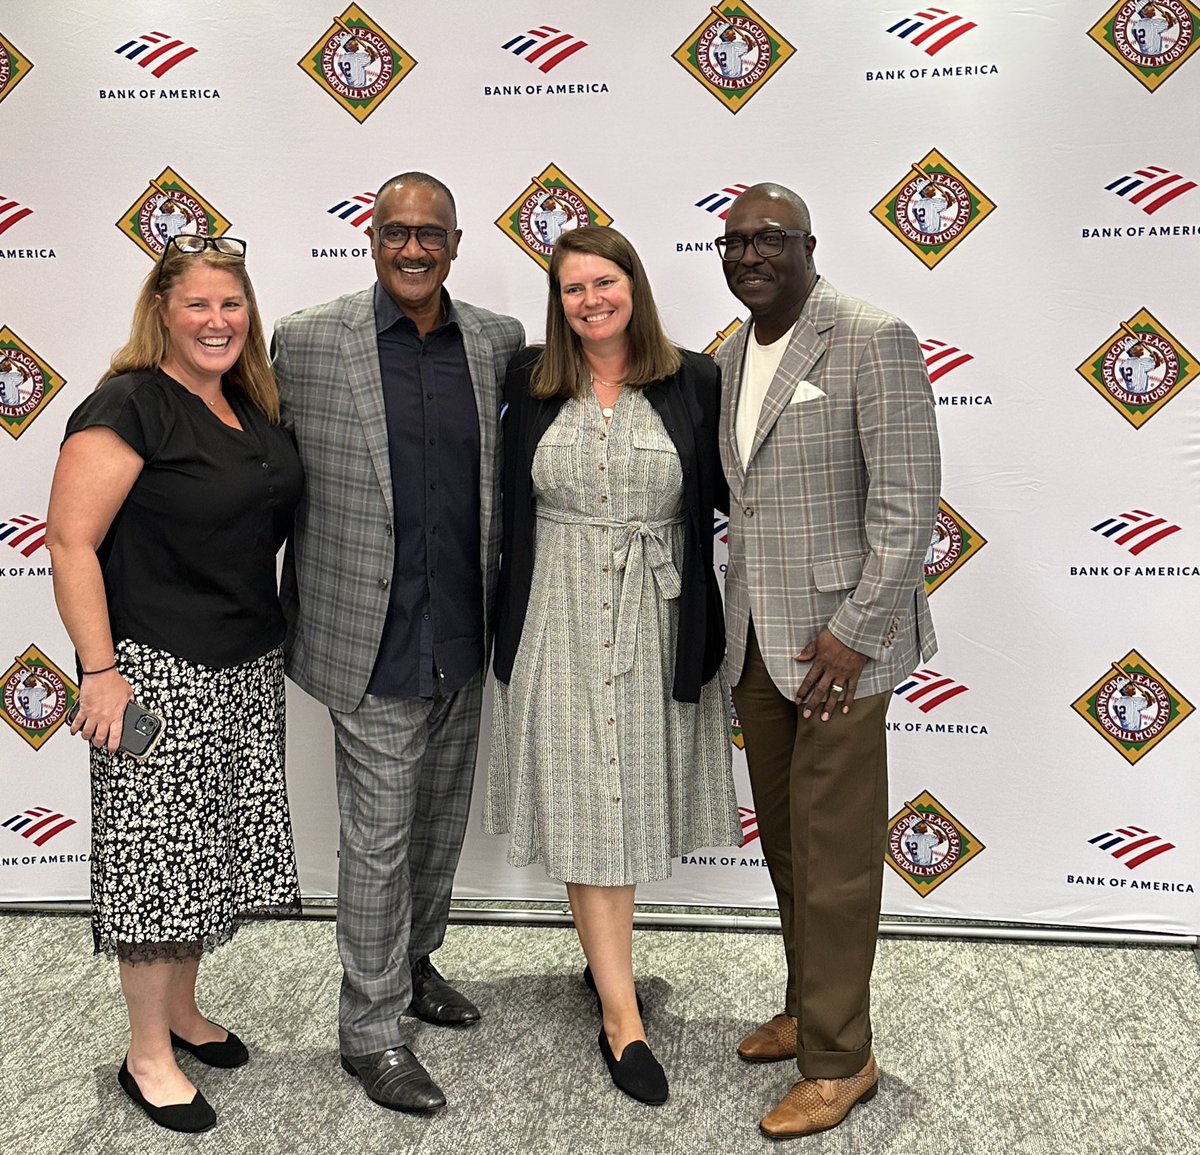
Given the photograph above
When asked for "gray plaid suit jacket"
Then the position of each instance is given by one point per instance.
(338, 563)
(830, 520)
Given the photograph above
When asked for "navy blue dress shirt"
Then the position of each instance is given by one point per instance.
(433, 637)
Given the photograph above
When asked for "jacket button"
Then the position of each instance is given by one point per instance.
(383, 583)
(749, 511)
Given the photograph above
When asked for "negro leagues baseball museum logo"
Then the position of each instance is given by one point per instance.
(13, 68)
(35, 696)
(953, 542)
(722, 336)
(733, 52)
(1140, 368)
(927, 844)
(932, 209)
(357, 63)
(551, 204)
(1132, 707)
(1150, 39)
(27, 384)
(169, 206)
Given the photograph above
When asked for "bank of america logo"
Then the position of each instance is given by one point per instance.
(720, 202)
(550, 46)
(11, 213)
(157, 51)
(721, 529)
(941, 358)
(927, 690)
(932, 29)
(1136, 530)
(39, 824)
(24, 533)
(1151, 187)
(1131, 845)
(749, 820)
(357, 210)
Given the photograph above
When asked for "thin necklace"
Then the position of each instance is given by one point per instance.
(607, 411)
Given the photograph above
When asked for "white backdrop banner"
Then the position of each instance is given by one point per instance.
(1019, 185)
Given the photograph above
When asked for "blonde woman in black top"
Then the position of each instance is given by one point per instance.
(174, 489)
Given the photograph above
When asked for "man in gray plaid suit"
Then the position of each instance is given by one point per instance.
(393, 396)
(829, 443)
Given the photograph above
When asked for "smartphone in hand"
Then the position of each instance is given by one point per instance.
(140, 730)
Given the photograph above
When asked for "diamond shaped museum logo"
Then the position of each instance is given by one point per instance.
(1132, 707)
(733, 52)
(933, 209)
(357, 63)
(1140, 368)
(550, 205)
(1150, 39)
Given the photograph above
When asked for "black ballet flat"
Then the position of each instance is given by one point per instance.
(591, 985)
(637, 1072)
(229, 1053)
(194, 1116)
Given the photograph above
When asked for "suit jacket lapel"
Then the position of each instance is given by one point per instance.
(731, 391)
(803, 352)
(360, 355)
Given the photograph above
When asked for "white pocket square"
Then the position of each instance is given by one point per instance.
(805, 391)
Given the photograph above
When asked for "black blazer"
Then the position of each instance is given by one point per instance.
(689, 405)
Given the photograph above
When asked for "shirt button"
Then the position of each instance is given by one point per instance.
(616, 798)
(612, 761)
(383, 583)
(611, 721)
(433, 441)
(605, 606)
(266, 465)
(425, 617)
(604, 569)
(608, 681)
(604, 529)
(604, 497)
(607, 643)
(433, 485)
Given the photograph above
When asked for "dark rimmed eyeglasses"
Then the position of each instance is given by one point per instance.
(193, 243)
(768, 243)
(431, 238)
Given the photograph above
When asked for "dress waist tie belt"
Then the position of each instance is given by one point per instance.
(640, 555)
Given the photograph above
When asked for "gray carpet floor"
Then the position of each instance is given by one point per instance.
(986, 1047)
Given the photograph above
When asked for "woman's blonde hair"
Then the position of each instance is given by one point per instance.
(562, 370)
(149, 341)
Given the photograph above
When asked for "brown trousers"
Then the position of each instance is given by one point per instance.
(820, 793)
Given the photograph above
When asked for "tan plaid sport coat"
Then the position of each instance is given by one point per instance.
(338, 562)
(830, 521)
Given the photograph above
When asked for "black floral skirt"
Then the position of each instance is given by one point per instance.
(197, 837)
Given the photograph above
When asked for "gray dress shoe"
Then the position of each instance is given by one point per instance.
(395, 1079)
(435, 1001)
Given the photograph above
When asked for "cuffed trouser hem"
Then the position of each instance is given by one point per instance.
(833, 1064)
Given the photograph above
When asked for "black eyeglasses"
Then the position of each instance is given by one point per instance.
(193, 243)
(768, 243)
(429, 237)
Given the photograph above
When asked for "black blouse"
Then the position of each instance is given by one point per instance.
(189, 561)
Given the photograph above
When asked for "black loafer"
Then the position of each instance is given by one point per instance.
(591, 985)
(435, 1001)
(229, 1053)
(637, 1072)
(395, 1079)
(194, 1116)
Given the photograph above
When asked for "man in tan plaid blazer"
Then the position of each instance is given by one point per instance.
(392, 394)
(829, 443)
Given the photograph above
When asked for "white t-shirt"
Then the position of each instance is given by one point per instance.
(758, 371)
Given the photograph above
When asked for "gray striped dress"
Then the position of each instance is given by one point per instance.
(595, 770)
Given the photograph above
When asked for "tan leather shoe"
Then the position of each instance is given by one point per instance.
(771, 1042)
(814, 1105)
